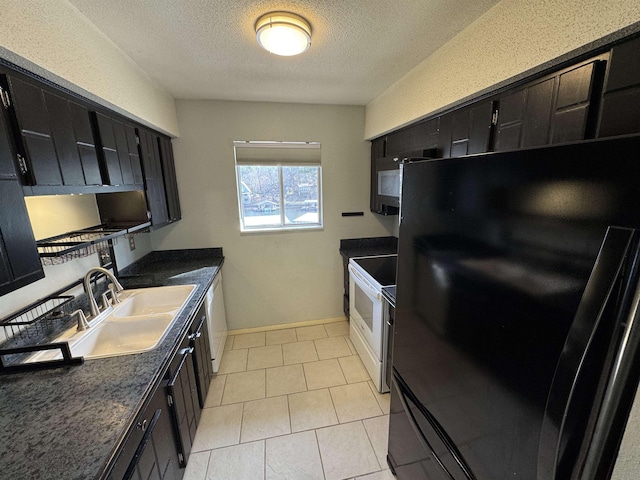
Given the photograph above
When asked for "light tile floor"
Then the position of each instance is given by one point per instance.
(294, 403)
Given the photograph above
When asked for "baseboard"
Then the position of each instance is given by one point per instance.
(282, 326)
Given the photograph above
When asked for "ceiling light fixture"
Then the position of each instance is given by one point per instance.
(283, 33)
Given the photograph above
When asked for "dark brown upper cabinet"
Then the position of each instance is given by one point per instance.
(412, 140)
(377, 151)
(471, 129)
(561, 107)
(158, 203)
(54, 141)
(620, 113)
(19, 260)
(118, 148)
(169, 176)
(153, 177)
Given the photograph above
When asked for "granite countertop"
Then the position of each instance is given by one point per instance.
(69, 422)
(363, 247)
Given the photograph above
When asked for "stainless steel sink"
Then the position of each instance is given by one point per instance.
(138, 324)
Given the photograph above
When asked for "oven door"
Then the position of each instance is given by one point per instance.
(366, 310)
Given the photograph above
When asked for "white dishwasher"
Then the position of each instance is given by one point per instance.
(216, 321)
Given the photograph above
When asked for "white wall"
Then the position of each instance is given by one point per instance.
(52, 34)
(512, 37)
(271, 278)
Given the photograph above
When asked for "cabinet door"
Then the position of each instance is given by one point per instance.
(108, 149)
(170, 181)
(558, 108)
(471, 129)
(150, 451)
(620, 113)
(19, 259)
(576, 104)
(183, 401)
(377, 151)
(55, 136)
(413, 139)
(153, 180)
(524, 116)
(85, 143)
(118, 151)
(134, 154)
(199, 336)
(75, 148)
(35, 142)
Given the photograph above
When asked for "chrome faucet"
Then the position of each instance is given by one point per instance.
(93, 305)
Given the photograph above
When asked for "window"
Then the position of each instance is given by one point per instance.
(279, 185)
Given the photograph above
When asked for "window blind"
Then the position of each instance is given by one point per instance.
(299, 153)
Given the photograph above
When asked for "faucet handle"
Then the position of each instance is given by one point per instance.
(106, 303)
(114, 293)
(82, 320)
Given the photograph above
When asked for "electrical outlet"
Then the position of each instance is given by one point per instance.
(105, 257)
(132, 243)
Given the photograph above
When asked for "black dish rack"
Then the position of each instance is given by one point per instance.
(82, 243)
(27, 330)
(39, 319)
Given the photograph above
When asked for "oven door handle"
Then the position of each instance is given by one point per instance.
(363, 284)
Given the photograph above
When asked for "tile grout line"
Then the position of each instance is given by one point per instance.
(264, 459)
(315, 432)
(333, 404)
(289, 414)
(206, 471)
(371, 443)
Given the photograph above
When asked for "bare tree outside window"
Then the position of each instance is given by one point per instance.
(279, 196)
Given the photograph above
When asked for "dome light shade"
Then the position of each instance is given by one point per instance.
(283, 33)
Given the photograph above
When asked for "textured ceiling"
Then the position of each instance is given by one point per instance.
(206, 49)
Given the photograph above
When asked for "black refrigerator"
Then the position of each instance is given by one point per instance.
(515, 350)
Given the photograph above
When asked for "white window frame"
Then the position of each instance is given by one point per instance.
(283, 226)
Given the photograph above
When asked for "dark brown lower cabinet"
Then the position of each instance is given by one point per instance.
(184, 406)
(150, 451)
(159, 443)
(199, 341)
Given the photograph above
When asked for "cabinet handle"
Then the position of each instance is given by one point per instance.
(23, 164)
(142, 425)
(185, 353)
(6, 100)
(142, 445)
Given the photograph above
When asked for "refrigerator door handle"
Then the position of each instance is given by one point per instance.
(414, 425)
(421, 436)
(558, 448)
(619, 392)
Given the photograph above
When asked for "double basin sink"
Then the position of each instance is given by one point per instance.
(137, 324)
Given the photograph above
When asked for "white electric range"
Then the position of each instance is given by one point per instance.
(369, 326)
